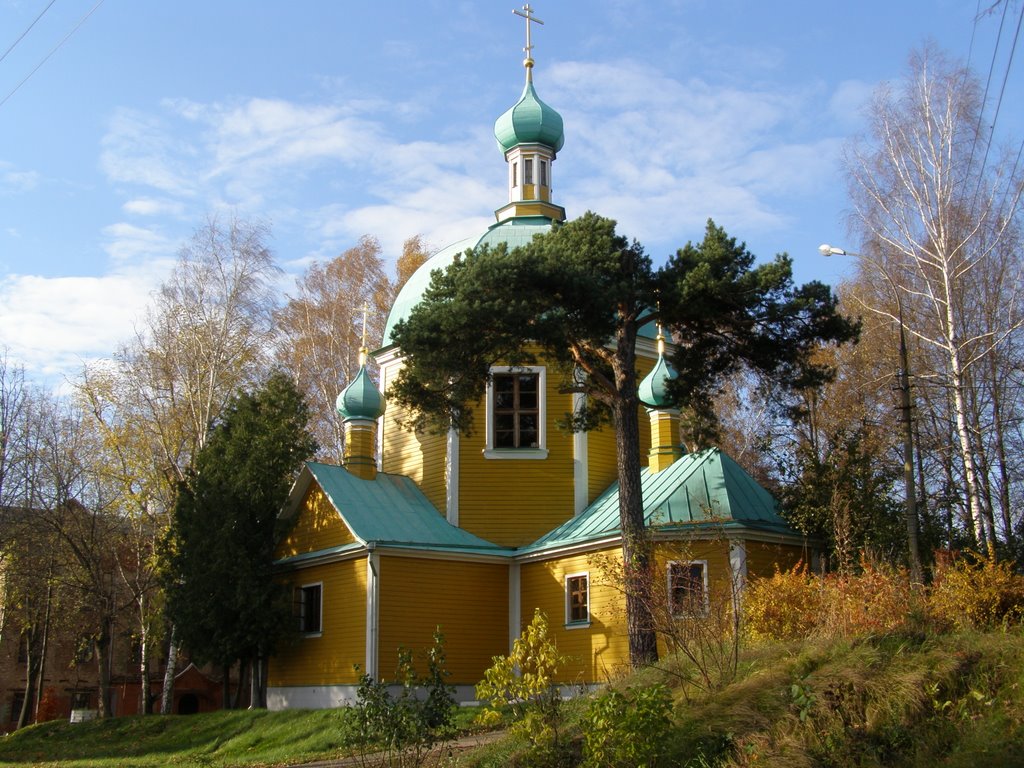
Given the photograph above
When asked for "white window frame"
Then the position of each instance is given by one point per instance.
(541, 451)
(668, 586)
(569, 622)
(302, 607)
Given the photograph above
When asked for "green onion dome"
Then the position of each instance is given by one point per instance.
(529, 121)
(654, 389)
(361, 399)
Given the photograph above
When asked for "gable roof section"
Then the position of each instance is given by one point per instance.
(706, 489)
(388, 511)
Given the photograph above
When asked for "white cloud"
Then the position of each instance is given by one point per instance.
(848, 102)
(14, 181)
(149, 206)
(54, 325)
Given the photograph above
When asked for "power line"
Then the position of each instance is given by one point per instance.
(52, 51)
(29, 29)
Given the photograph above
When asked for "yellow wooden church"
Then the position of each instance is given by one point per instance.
(472, 534)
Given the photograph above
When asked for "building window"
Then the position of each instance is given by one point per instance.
(577, 599)
(543, 173)
(688, 588)
(528, 171)
(515, 413)
(516, 410)
(308, 608)
(515, 174)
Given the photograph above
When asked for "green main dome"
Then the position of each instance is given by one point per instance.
(529, 121)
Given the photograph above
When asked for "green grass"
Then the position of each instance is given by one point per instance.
(246, 738)
(950, 701)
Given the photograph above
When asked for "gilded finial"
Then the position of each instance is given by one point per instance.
(527, 13)
(363, 350)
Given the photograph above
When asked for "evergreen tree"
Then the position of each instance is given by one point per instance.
(220, 588)
(578, 297)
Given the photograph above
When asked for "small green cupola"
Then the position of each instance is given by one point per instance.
(530, 134)
(360, 405)
(361, 399)
(654, 389)
(530, 121)
(654, 392)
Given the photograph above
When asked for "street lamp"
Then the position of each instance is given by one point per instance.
(905, 406)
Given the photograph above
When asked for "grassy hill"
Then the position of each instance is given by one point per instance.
(896, 701)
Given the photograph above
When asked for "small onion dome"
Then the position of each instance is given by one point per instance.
(361, 399)
(653, 390)
(529, 121)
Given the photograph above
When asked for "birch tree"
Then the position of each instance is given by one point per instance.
(207, 335)
(931, 208)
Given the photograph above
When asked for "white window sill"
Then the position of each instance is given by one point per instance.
(516, 453)
(578, 625)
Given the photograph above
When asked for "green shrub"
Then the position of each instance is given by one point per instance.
(405, 728)
(524, 683)
(627, 728)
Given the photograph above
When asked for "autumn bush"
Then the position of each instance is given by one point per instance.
(876, 600)
(784, 606)
(970, 592)
(973, 592)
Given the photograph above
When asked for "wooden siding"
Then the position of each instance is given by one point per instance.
(317, 526)
(330, 658)
(468, 601)
(513, 502)
(762, 558)
(420, 456)
(598, 652)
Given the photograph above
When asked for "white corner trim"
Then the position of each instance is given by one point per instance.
(451, 470)
(372, 613)
(580, 462)
(514, 604)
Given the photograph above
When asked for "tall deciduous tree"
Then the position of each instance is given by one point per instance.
(205, 336)
(220, 587)
(580, 295)
(941, 219)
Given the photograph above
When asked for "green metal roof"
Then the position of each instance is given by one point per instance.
(388, 511)
(529, 121)
(706, 489)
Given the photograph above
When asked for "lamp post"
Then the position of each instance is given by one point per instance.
(905, 406)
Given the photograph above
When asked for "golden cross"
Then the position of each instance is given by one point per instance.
(528, 15)
(363, 349)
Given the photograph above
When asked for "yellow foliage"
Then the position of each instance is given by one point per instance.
(976, 593)
(784, 606)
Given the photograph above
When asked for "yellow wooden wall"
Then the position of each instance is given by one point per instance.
(601, 652)
(420, 456)
(317, 526)
(762, 558)
(515, 501)
(469, 601)
(331, 657)
(598, 652)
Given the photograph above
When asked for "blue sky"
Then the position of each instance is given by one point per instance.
(333, 119)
